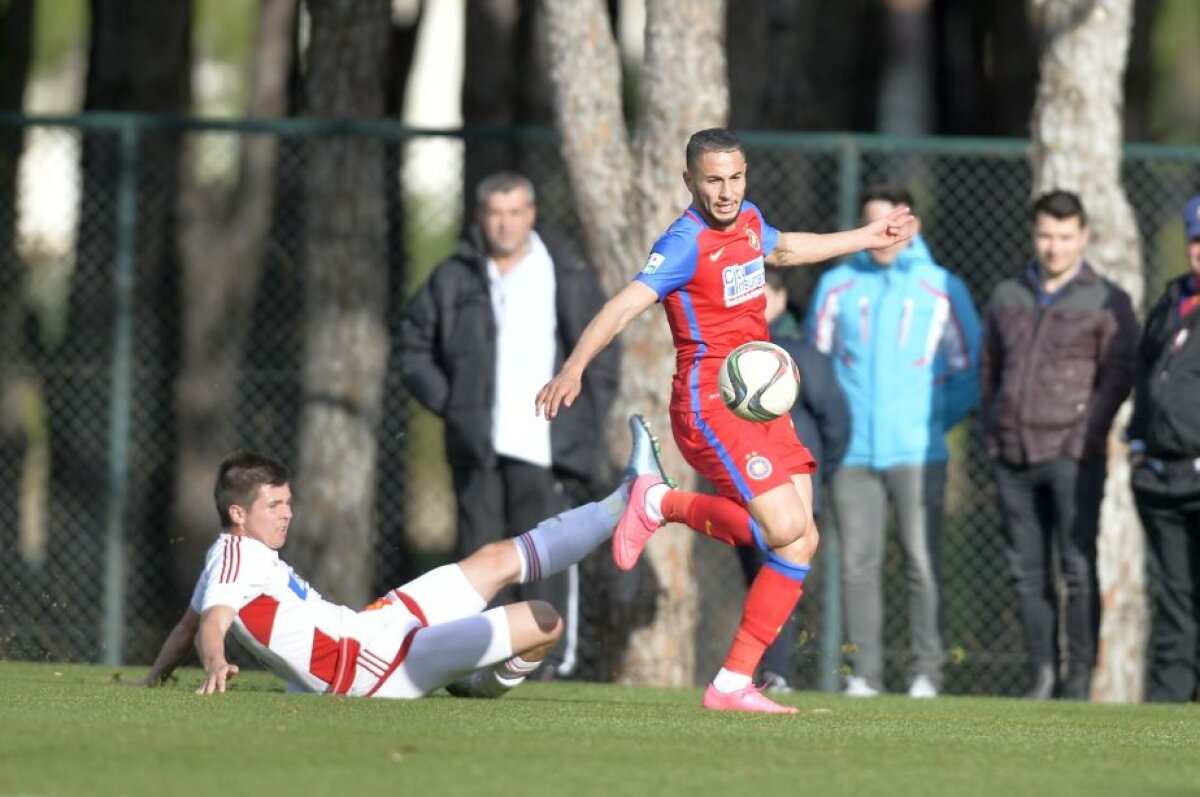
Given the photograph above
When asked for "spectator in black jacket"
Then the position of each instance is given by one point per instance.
(480, 337)
(822, 421)
(1165, 447)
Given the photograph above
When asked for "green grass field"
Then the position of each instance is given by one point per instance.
(71, 730)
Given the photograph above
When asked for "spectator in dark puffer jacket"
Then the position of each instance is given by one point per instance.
(1057, 362)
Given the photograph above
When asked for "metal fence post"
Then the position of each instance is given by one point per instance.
(849, 169)
(125, 243)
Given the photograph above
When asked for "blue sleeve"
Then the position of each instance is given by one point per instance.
(671, 264)
(962, 384)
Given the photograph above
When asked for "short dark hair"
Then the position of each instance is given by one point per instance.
(714, 139)
(888, 192)
(502, 183)
(239, 477)
(1061, 205)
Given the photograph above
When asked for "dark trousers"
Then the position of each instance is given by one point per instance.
(1173, 531)
(1048, 506)
(507, 500)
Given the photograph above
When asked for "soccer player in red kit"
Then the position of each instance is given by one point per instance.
(708, 272)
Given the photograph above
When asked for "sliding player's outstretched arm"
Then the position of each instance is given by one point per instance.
(803, 248)
(210, 644)
(616, 314)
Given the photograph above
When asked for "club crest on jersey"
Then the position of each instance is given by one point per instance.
(653, 262)
(743, 281)
(758, 467)
(752, 237)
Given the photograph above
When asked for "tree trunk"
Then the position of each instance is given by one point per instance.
(803, 64)
(988, 67)
(138, 60)
(1139, 76)
(1077, 147)
(504, 85)
(346, 279)
(222, 240)
(16, 22)
(626, 196)
(906, 93)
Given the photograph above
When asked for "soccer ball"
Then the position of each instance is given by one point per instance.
(758, 381)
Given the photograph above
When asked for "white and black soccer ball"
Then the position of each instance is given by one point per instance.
(758, 381)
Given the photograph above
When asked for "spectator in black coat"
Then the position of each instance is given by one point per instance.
(1165, 447)
(480, 337)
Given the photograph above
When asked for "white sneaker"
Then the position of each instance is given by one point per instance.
(922, 687)
(857, 686)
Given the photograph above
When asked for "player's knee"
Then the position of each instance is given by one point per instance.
(802, 548)
(786, 530)
(499, 559)
(546, 618)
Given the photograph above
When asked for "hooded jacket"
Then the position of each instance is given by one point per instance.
(905, 344)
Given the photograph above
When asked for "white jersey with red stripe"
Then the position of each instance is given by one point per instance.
(297, 634)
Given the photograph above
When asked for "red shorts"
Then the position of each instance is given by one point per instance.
(743, 459)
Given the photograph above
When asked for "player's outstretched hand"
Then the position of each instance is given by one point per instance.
(216, 678)
(559, 391)
(897, 226)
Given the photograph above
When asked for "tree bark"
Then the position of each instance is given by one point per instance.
(504, 85)
(346, 286)
(906, 93)
(138, 60)
(16, 22)
(804, 64)
(222, 241)
(1077, 146)
(627, 194)
(1139, 76)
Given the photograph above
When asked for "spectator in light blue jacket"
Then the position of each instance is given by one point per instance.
(904, 336)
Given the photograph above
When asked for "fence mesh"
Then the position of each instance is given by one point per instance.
(87, 548)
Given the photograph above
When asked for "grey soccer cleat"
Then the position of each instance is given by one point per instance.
(646, 457)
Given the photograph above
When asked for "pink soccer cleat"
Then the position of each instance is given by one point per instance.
(748, 698)
(636, 527)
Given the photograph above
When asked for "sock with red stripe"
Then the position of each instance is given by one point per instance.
(565, 539)
(770, 601)
(724, 520)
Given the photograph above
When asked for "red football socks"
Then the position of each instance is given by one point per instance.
(717, 517)
(769, 603)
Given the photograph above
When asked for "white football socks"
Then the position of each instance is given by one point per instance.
(565, 539)
(729, 681)
(654, 498)
(495, 681)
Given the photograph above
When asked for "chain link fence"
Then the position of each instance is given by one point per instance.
(93, 242)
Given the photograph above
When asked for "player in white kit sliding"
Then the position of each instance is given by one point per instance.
(428, 633)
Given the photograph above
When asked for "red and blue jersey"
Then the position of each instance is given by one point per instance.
(711, 284)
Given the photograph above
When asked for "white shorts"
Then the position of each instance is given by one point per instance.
(437, 634)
